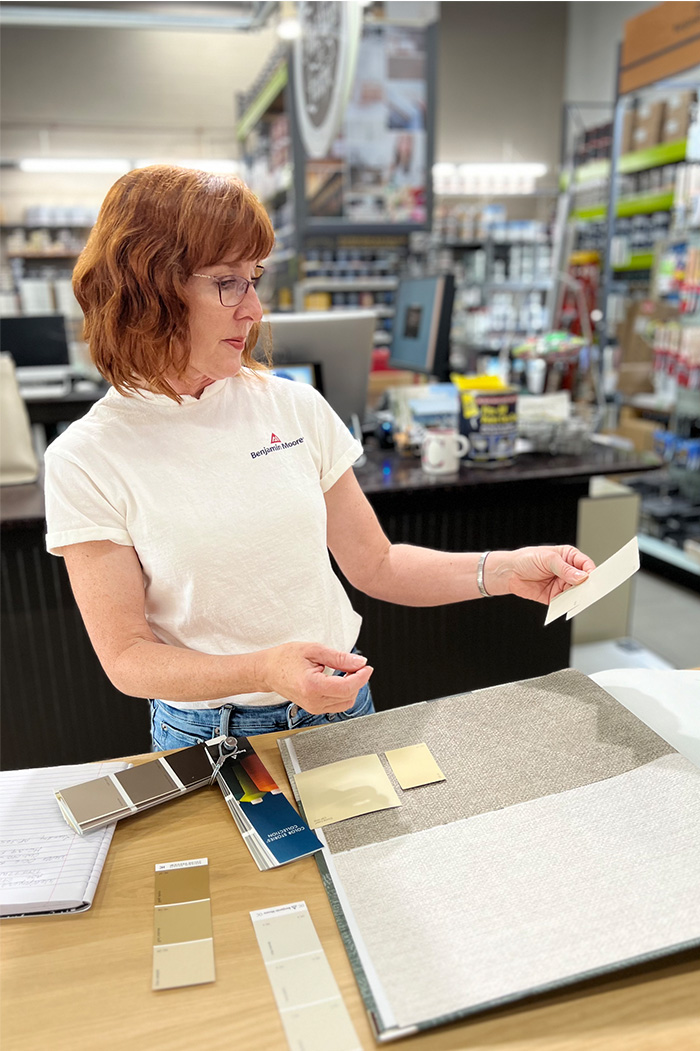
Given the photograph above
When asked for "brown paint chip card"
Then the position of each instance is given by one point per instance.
(183, 942)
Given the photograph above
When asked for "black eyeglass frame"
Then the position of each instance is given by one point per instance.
(241, 281)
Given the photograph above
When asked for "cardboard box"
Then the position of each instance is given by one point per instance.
(627, 143)
(648, 122)
(635, 378)
(632, 334)
(640, 432)
(677, 116)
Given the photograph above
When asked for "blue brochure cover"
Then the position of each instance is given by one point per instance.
(271, 828)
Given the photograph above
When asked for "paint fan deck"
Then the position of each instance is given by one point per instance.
(271, 828)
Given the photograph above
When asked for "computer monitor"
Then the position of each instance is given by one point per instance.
(340, 342)
(38, 346)
(302, 372)
(421, 333)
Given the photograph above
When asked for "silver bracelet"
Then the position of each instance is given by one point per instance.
(480, 575)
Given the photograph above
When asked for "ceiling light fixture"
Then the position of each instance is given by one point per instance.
(289, 28)
(216, 167)
(75, 165)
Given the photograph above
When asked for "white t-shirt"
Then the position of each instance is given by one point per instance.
(222, 499)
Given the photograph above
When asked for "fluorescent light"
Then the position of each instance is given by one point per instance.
(517, 170)
(289, 28)
(74, 165)
(216, 167)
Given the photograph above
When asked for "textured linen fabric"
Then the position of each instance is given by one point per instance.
(500, 905)
(222, 498)
(496, 747)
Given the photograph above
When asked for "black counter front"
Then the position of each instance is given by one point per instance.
(59, 707)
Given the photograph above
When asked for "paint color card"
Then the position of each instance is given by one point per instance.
(345, 789)
(183, 941)
(305, 990)
(190, 765)
(414, 765)
(601, 581)
(146, 782)
(182, 923)
(101, 801)
(177, 965)
(182, 881)
(95, 799)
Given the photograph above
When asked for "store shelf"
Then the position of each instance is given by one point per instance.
(45, 226)
(44, 255)
(516, 286)
(457, 194)
(655, 548)
(643, 261)
(342, 284)
(639, 161)
(641, 204)
(584, 258)
(275, 85)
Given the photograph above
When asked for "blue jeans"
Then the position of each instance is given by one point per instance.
(182, 727)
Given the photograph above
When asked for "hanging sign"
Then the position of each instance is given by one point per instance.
(325, 57)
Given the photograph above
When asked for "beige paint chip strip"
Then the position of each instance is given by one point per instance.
(305, 990)
(183, 942)
(414, 765)
(345, 789)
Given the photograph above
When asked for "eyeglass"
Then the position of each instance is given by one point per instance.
(233, 290)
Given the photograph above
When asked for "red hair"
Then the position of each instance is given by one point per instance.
(156, 227)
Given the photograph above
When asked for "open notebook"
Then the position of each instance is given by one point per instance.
(44, 866)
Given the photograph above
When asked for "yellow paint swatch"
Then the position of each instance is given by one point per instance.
(183, 943)
(345, 789)
(414, 765)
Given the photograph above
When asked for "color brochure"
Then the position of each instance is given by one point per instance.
(271, 828)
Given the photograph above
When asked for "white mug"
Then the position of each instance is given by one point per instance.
(442, 449)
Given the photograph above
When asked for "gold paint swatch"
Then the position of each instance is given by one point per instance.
(305, 990)
(345, 789)
(183, 942)
(414, 765)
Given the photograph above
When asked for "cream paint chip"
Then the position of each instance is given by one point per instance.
(350, 787)
(414, 765)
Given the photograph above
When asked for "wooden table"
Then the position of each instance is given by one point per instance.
(84, 981)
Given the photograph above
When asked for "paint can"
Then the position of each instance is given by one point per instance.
(489, 419)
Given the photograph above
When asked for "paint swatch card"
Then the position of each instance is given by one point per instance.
(183, 938)
(414, 765)
(271, 828)
(305, 990)
(101, 801)
(345, 789)
(601, 581)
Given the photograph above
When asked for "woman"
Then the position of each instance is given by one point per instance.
(195, 504)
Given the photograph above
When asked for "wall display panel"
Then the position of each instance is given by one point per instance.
(562, 844)
(377, 172)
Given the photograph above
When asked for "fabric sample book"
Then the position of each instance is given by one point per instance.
(564, 842)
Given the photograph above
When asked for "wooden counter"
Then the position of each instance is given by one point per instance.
(83, 982)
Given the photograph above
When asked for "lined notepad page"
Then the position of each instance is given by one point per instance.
(44, 865)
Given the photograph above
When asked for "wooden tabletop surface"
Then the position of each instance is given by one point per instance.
(84, 981)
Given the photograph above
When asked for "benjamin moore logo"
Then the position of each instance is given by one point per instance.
(275, 445)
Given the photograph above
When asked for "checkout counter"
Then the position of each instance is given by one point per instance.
(59, 707)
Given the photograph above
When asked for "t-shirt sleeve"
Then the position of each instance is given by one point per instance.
(77, 510)
(338, 449)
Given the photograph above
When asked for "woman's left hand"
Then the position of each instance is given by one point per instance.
(538, 573)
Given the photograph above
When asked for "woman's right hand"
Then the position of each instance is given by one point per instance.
(295, 670)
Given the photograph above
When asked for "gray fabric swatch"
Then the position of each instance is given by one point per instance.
(496, 747)
(498, 906)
